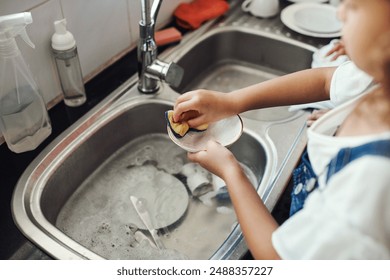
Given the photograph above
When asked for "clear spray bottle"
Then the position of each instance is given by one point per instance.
(24, 121)
(68, 65)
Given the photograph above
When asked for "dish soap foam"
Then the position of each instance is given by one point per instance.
(24, 121)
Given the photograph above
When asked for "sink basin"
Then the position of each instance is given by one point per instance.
(60, 203)
(71, 180)
(232, 58)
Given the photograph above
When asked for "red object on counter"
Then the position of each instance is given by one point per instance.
(167, 36)
(192, 15)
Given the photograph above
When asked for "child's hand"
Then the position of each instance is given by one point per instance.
(199, 107)
(315, 115)
(217, 159)
(337, 50)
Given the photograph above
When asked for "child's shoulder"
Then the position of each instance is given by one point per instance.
(348, 81)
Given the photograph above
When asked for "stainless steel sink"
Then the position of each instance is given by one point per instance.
(240, 54)
(73, 177)
(227, 57)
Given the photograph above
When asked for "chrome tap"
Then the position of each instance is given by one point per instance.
(150, 69)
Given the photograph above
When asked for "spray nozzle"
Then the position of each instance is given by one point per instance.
(14, 25)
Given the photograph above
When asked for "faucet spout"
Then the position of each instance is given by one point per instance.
(155, 9)
(150, 69)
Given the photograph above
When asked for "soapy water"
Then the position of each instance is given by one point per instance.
(98, 214)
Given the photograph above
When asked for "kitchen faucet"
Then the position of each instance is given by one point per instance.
(150, 69)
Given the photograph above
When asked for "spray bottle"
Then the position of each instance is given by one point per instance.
(24, 121)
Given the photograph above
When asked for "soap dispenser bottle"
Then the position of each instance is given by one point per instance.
(68, 65)
(24, 121)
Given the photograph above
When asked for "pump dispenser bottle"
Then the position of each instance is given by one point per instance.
(68, 65)
(24, 121)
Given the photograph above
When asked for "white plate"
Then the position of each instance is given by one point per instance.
(318, 18)
(289, 17)
(225, 132)
(165, 196)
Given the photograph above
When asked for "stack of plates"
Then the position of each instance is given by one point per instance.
(312, 19)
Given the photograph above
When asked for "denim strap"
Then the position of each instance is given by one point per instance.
(305, 179)
(347, 155)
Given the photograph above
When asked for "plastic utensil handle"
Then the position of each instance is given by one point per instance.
(157, 239)
(145, 217)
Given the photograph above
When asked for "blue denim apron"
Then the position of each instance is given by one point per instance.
(305, 180)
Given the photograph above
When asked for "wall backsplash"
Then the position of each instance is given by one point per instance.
(104, 31)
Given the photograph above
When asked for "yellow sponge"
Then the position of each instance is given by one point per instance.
(178, 128)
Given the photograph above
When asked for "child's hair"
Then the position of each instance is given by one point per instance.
(387, 77)
(386, 61)
(380, 65)
(383, 59)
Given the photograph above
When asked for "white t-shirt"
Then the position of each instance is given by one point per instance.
(349, 218)
(348, 81)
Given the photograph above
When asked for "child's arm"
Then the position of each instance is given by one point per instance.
(256, 222)
(301, 87)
